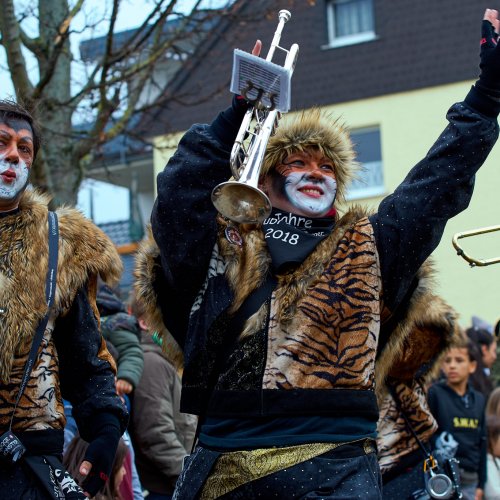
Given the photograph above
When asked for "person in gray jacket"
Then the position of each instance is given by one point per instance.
(162, 436)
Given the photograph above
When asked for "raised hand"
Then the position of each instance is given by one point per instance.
(489, 79)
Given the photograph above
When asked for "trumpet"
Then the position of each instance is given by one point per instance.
(241, 200)
(466, 234)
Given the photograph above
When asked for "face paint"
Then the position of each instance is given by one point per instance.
(303, 184)
(13, 178)
(310, 194)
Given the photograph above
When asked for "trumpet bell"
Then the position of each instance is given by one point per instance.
(241, 202)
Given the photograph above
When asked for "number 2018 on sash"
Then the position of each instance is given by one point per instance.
(278, 234)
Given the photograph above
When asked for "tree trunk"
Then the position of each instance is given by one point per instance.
(56, 170)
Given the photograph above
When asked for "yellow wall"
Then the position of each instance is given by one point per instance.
(163, 148)
(409, 124)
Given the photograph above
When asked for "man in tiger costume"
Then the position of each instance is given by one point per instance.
(280, 323)
(72, 360)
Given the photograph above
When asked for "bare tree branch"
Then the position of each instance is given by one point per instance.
(11, 40)
(55, 49)
(129, 76)
(64, 27)
(32, 44)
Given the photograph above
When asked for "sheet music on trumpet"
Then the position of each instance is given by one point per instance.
(259, 80)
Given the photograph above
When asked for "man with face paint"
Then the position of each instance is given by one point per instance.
(16, 156)
(280, 323)
(72, 360)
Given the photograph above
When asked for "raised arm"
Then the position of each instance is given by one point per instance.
(183, 218)
(410, 222)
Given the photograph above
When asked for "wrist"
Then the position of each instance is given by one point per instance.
(482, 102)
(489, 91)
(105, 424)
(225, 127)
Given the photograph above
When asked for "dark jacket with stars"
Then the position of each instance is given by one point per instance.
(73, 362)
(311, 347)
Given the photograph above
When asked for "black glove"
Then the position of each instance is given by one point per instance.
(101, 454)
(489, 79)
(227, 123)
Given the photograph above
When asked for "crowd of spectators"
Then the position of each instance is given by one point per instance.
(150, 454)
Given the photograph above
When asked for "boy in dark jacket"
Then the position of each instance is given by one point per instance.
(459, 410)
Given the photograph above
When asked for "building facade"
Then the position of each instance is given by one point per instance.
(390, 70)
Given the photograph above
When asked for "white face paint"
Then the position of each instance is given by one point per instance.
(13, 178)
(304, 184)
(312, 196)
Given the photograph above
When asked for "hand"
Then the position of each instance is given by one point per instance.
(123, 387)
(239, 101)
(492, 16)
(489, 79)
(479, 494)
(257, 48)
(98, 460)
(85, 468)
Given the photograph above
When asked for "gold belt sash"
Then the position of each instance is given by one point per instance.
(236, 468)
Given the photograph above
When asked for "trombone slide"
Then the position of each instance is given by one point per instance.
(473, 262)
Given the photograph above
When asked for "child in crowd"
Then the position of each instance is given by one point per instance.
(122, 330)
(162, 435)
(493, 404)
(459, 410)
(492, 486)
(73, 458)
(481, 379)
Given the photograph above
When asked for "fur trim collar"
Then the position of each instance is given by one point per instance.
(84, 252)
(147, 269)
(248, 265)
(416, 344)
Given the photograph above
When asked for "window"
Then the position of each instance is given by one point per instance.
(349, 22)
(370, 181)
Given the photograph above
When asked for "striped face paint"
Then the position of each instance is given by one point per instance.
(303, 184)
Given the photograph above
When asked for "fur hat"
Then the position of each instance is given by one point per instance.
(313, 129)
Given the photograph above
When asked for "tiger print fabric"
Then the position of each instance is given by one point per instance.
(41, 405)
(409, 361)
(331, 339)
(395, 440)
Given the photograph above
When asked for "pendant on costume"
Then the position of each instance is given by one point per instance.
(233, 236)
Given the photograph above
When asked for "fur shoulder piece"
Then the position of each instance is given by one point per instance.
(86, 249)
(426, 327)
(148, 272)
(84, 252)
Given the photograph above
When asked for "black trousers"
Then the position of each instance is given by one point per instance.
(19, 482)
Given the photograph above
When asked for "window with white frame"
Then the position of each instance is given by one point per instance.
(349, 22)
(370, 180)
